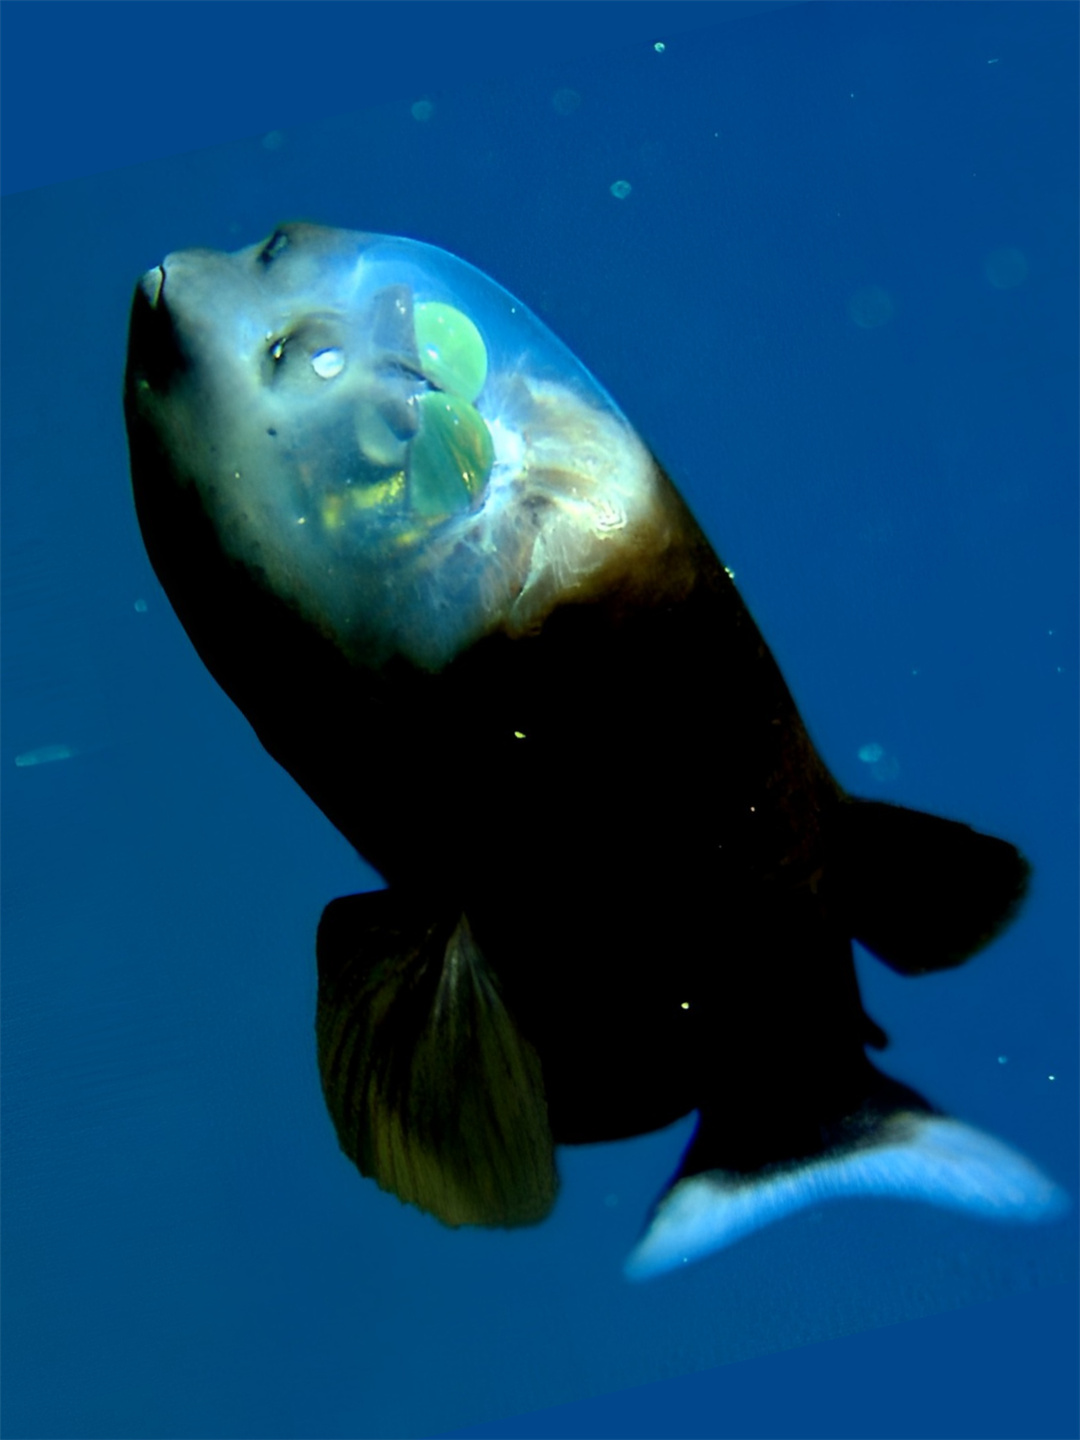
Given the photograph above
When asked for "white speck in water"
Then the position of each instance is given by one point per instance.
(659, 47)
(1003, 1059)
(870, 754)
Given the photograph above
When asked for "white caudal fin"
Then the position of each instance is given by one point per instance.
(910, 1157)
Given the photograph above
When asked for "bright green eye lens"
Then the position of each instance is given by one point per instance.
(451, 457)
(452, 353)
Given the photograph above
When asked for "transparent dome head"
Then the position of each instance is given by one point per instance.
(405, 446)
(443, 374)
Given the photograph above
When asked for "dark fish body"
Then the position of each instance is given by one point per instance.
(460, 603)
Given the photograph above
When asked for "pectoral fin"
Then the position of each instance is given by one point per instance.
(432, 1089)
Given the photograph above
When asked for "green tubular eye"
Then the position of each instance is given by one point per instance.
(451, 350)
(451, 456)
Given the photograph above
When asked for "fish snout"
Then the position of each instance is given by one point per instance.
(176, 303)
(150, 286)
(154, 351)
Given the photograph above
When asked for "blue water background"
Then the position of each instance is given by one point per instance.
(839, 302)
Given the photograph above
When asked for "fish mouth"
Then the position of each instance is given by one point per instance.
(154, 348)
(152, 283)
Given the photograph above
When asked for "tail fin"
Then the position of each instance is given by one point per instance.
(922, 893)
(904, 1154)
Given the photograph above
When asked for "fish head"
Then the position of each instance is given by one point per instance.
(378, 434)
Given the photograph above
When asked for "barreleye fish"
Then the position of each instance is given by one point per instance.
(461, 603)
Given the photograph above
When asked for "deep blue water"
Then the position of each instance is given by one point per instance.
(839, 302)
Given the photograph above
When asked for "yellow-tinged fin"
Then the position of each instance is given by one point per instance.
(433, 1091)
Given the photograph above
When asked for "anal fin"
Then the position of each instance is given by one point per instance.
(431, 1087)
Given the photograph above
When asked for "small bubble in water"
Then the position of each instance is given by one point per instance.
(1005, 268)
(870, 307)
(140, 606)
(621, 189)
(422, 110)
(1003, 1059)
(883, 766)
(887, 768)
(659, 47)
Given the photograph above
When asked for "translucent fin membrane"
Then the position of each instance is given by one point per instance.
(916, 1157)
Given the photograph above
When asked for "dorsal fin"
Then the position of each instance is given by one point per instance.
(920, 892)
(432, 1089)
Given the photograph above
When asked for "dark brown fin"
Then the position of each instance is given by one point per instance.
(922, 893)
(432, 1089)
